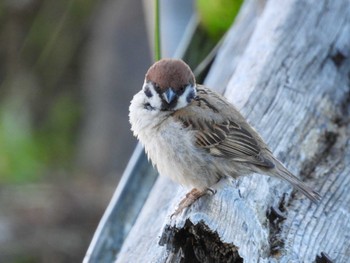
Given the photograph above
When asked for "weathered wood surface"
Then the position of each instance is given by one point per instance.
(123, 209)
(292, 81)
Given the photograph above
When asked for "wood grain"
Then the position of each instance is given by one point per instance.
(292, 82)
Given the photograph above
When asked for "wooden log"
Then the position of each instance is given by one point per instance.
(292, 82)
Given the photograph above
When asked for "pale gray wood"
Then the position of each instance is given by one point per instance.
(123, 209)
(292, 82)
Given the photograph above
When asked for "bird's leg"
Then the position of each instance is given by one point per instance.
(190, 198)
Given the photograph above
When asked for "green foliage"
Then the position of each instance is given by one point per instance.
(2, 11)
(19, 156)
(54, 37)
(216, 16)
(38, 133)
(25, 153)
(56, 138)
(157, 42)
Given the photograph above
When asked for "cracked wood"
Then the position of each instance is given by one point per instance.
(294, 73)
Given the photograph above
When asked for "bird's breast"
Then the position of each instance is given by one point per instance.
(171, 147)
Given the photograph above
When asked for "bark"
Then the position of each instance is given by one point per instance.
(291, 79)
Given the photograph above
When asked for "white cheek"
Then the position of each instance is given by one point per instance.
(139, 117)
(154, 100)
(182, 100)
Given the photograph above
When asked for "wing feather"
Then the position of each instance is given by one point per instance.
(225, 139)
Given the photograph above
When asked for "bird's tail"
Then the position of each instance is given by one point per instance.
(283, 173)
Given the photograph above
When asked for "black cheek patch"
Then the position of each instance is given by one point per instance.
(148, 106)
(148, 92)
(190, 96)
(180, 90)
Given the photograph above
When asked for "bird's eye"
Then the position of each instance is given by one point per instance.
(156, 87)
(148, 92)
(181, 90)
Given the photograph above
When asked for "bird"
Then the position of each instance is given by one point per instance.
(196, 136)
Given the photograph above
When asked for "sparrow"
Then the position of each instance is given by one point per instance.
(195, 136)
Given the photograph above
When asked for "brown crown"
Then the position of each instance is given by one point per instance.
(172, 73)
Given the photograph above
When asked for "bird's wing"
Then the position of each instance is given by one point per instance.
(222, 138)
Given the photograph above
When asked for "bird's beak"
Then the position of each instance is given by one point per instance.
(169, 95)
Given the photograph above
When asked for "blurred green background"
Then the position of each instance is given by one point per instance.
(68, 70)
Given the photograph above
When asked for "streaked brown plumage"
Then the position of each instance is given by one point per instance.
(196, 127)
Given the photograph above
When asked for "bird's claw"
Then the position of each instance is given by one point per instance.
(189, 199)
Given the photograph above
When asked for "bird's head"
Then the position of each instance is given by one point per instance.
(169, 85)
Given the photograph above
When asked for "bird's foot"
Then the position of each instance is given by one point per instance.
(190, 198)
